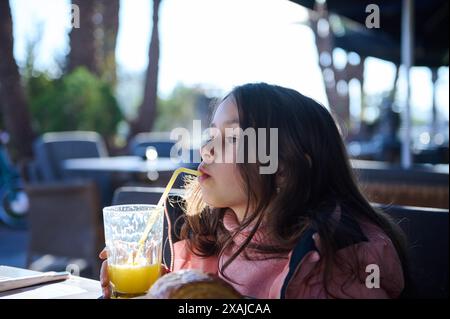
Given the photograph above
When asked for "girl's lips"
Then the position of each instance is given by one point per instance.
(203, 177)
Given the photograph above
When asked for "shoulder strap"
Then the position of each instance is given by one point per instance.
(303, 246)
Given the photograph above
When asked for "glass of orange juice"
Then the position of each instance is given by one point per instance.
(133, 265)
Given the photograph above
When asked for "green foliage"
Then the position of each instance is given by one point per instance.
(77, 101)
(178, 110)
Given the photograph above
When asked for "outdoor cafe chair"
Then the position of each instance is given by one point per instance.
(51, 149)
(65, 223)
(426, 230)
(159, 140)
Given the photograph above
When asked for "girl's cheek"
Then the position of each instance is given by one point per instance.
(230, 156)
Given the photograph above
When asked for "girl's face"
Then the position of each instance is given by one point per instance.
(221, 184)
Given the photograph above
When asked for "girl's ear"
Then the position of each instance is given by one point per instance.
(281, 174)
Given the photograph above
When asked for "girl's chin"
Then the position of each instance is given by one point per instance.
(209, 200)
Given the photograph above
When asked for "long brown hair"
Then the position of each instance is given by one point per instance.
(316, 179)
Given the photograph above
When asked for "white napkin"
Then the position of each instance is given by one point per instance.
(7, 283)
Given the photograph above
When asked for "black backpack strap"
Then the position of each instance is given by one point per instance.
(303, 247)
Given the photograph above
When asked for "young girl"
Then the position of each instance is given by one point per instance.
(305, 231)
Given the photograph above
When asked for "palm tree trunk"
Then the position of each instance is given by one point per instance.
(13, 103)
(110, 26)
(82, 40)
(147, 111)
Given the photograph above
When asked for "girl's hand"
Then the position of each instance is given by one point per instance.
(315, 256)
(316, 238)
(104, 278)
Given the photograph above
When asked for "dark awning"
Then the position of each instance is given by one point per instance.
(431, 29)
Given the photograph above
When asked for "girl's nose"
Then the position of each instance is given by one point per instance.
(207, 153)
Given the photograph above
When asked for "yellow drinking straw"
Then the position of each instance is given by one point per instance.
(161, 202)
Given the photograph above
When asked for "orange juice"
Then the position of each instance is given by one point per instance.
(133, 279)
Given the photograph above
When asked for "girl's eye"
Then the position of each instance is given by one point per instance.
(207, 140)
(232, 139)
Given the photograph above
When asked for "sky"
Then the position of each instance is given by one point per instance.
(216, 44)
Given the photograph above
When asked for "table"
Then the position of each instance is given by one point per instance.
(73, 288)
(123, 164)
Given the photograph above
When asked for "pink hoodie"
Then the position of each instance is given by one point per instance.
(264, 279)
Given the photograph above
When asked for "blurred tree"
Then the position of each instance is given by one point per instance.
(77, 101)
(108, 30)
(82, 40)
(147, 111)
(179, 110)
(13, 103)
(336, 80)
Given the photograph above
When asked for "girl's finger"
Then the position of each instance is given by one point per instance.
(103, 254)
(106, 293)
(164, 270)
(316, 239)
(314, 257)
(104, 278)
(310, 263)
